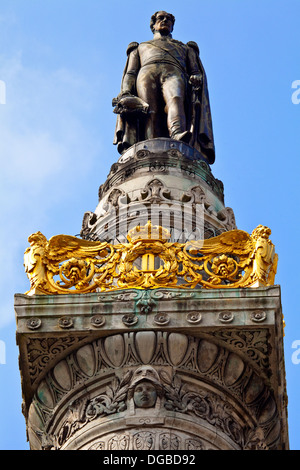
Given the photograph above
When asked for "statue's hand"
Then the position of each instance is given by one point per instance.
(196, 80)
(128, 103)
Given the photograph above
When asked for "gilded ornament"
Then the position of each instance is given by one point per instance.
(69, 265)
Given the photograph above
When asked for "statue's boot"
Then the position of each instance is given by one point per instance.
(177, 124)
(183, 136)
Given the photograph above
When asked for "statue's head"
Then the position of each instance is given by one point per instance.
(163, 22)
(145, 387)
(145, 394)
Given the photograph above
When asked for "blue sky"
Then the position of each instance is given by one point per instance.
(61, 62)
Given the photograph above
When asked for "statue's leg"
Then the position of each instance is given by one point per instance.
(173, 88)
(148, 90)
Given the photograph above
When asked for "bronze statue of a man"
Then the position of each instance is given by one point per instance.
(164, 92)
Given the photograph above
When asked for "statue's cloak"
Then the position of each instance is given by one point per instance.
(203, 133)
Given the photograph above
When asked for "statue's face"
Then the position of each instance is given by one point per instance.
(144, 395)
(163, 23)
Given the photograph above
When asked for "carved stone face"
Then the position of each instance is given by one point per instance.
(144, 395)
(163, 23)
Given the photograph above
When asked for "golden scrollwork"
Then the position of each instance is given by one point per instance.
(69, 265)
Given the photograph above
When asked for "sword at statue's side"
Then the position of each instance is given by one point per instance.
(196, 105)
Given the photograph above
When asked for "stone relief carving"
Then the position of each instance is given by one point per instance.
(82, 411)
(89, 219)
(159, 368)
(115, 198)
(155, 192)
(40, 351)
(251, 343)
(149, 440)
(160, 161)
(206, 406)
(144, 389)
(227, 216)
(195, 195)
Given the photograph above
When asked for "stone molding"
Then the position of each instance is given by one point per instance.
(161, 154)
(161, 172)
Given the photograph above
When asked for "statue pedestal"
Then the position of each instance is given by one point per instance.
(167, 182)
(212, 361)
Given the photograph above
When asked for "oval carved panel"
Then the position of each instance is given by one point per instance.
(62, 375)
(115, 348)
(145, 345)
(207, 355)
(86, 359)
(177, 347)
(233, 369)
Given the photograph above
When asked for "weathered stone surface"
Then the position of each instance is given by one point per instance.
(215, 380)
